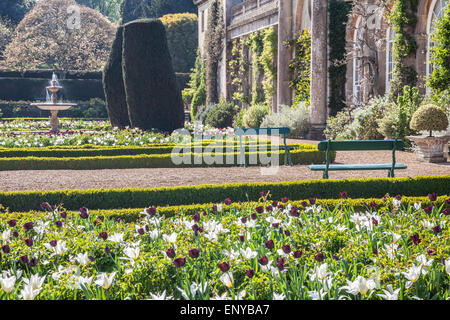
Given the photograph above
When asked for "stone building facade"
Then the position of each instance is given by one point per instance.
(290, 17)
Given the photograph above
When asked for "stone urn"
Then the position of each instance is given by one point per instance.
(431, 149)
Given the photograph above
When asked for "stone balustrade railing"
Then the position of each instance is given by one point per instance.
(250, 8)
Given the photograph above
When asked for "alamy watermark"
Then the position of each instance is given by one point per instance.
(203, 148)
(74, 20)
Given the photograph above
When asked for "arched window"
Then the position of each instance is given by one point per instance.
(436, 12)
(357, 54)
(390, 35)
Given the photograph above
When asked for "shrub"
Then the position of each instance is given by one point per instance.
(296, 118)
(222, 115)
(361, 123)
(395, 123)
(116, 101)
(255, 114)
(182, 39)
(365, 123)
(153, 98)
(239, 119)
(203, 112)
(429, 118)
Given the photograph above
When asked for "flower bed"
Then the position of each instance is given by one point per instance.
(268, 250)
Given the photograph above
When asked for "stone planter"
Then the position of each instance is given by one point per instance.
(431, 149)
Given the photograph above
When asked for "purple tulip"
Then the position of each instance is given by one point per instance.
(224, 266)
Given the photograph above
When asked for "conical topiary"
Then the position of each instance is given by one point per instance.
(153, 98)
(429, 118)
(116, 102)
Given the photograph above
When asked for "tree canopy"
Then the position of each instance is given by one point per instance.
(59, 34)
(159, 8)
(182, 38)
(109, 8)
(15, 10)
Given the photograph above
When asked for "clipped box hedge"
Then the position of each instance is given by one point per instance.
(96, 151)
(299, 157)
(185, 195)
(134, 214)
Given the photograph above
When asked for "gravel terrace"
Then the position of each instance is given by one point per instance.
(165, 177)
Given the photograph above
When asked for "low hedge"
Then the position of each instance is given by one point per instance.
(299, 157)
(133, 214)
(185, 195)
(96, 151)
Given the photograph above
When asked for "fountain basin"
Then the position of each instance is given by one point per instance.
(52, 106)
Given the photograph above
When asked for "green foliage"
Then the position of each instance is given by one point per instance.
(116, 101)
(403, 20)
(195, 93)
(214, 36)
(130, 10)
(256, 42)
(182, 39)
(15, 10)
(222, 115)
(429, 118)
(153, 98)
(395, 123)
(159, 8)
(301, 67)
(238, 68)
(255, 114)
(338, 11)
(295, 118)
(439, 80)
(441, 99)
(109, 8)
(373, 188)
(239, 119)
(267, 60)
(359, 123)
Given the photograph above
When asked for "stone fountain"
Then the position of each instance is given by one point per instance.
(52, 103)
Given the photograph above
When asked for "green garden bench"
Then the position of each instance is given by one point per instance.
(359, 145)
(282, 131)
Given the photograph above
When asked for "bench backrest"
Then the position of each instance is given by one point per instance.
(354, 145)
(261, 131)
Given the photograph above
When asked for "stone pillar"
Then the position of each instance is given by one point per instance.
(285, 23)
(319, 69)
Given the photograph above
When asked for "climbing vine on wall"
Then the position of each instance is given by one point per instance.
(269, 52)
(238, 68)
(256, 44)
(338, 11)
(301, 68)
(262, 46)
(403, 20)
(439, 79)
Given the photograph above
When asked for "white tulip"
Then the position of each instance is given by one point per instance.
(7, 284)
(359, 285)
(105, 281)
(227, 279)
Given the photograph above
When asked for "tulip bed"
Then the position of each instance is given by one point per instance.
(260, 250)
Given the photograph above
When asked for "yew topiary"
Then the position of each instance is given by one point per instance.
(116, 102)
(429, 118)
(153, 98)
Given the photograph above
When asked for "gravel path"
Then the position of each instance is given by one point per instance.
(165, 177)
